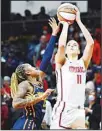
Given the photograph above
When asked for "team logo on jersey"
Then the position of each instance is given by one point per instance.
(76, 69)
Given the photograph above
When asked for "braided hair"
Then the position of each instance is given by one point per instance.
(17, 77)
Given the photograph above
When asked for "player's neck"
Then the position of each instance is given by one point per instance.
(72, 57)
(32, 79)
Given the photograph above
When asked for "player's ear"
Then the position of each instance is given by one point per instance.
(66, 51)
(66, 55)
(27, 72)
(78, 51)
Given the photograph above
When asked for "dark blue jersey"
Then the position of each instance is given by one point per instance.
(39, 109)
(33, 115)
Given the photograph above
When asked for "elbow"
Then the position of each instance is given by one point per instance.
(15, 106)
(92, 42)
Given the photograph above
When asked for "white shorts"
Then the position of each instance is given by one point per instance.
(64, 117)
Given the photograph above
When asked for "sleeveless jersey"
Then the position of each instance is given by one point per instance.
(36, 111)
(71, 79)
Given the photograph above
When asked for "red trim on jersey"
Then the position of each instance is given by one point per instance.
(60, 125)
(61, 85)
(56, 77)
(62, 100)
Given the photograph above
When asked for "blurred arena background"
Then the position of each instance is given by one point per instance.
(24, 35)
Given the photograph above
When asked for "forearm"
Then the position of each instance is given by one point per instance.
(48, 53)
(63, 36)
(22, 103)
(86, 33)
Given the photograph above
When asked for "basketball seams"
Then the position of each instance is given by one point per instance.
(66, 10)
(64, 18)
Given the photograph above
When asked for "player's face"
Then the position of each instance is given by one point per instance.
(72, 48)
(6, 82)
(32, 71)
(43, 39)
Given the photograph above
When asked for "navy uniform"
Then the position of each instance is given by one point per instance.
(39, 109)
(33, 115)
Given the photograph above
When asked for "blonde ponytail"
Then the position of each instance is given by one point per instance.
(14, 84)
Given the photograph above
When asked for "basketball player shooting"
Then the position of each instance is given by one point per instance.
(68, 112)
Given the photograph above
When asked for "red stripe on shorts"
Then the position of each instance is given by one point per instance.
(60, 125)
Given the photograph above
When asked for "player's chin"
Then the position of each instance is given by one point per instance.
(72, 52)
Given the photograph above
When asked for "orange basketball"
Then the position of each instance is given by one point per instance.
(66, 12)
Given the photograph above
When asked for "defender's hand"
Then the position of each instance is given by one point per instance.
(55, 27)
(87, 110)
(47, 93)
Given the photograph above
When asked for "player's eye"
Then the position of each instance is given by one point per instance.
(75, 45)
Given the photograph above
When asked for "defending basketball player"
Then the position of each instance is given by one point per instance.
(24, 82)
(68, 112)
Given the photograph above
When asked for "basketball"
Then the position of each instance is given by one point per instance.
(66, 12)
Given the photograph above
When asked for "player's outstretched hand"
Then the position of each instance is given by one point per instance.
(77, 14)
(55, 27)
(47, 93)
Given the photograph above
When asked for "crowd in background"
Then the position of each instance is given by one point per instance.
(30, 49)
(29, 16)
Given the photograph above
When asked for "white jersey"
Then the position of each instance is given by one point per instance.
(71, 79)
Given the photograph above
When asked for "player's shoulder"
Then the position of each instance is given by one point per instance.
(59, 59)
(60, 66)
(23, 84)
(82, 62)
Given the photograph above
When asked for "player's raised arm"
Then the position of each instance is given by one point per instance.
(60, 56)
(89, 40)
(49, 50)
